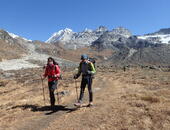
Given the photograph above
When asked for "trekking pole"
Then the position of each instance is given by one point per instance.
(43, 89)
(76, 89)
(58, 98)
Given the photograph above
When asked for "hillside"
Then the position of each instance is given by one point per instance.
(135, 99)
(10, 51)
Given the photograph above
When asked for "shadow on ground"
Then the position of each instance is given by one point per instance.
(52, 110)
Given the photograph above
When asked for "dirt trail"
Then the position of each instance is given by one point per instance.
(128, 100)
(43, 119)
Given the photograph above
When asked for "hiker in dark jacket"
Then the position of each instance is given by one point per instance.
(52, 71)
(86, 68)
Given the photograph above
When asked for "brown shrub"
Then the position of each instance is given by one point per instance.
(150, 99)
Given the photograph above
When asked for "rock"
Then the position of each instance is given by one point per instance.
(3, 83)
(63, 93)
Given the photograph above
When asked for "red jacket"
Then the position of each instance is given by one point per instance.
(53, 72)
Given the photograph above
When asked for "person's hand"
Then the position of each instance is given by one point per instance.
(89, 72)
(54, 76)
(75, 77)
(42, 77)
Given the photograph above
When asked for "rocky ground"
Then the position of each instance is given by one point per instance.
(134, 99)
(10, 51)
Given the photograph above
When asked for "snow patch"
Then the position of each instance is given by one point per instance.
(13, 35)
(16, 36)
(131, 52)
(163, 38)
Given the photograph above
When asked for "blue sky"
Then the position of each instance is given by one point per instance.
(39, 19)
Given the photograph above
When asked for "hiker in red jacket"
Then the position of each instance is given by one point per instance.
(52, 70)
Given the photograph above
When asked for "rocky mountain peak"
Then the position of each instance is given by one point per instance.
(62, 35)
(88, 30)
(163, 31)
(122, 31)
(101, 29)
(66, 30)
(10, 37)
(6, 37)
(78, 39)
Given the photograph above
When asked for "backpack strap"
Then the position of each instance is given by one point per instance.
(60, 77)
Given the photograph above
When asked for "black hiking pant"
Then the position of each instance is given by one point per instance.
(86, 80)
(52, 86)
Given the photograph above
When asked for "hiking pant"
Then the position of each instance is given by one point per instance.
(86, 80)
(52, 86)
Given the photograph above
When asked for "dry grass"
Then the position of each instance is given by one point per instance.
(150, 99)
(135, 99)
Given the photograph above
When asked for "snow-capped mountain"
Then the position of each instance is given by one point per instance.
(161, 36)
(12, 46)
(18, 37)
(75, 40)
(62, 35)
(101, 29)
(15, 41)
(11, 37)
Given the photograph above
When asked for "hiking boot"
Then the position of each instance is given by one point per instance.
(78, 104)
(52, 106)
(90, 104)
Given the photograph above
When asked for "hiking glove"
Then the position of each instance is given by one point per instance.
(89, 72)
(75, 76)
